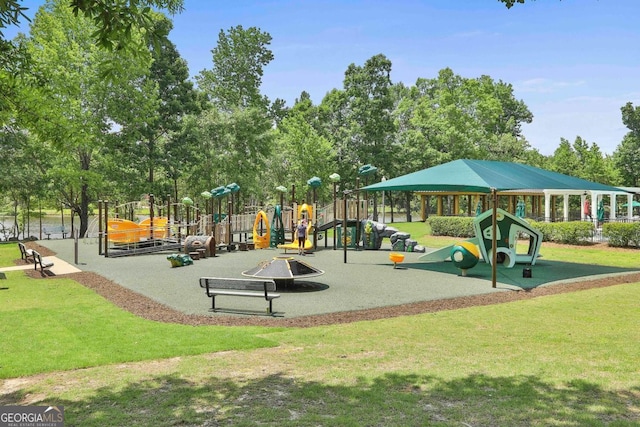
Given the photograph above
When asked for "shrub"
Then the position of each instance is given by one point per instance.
(453, 226)
(570, 233)
(622, 234)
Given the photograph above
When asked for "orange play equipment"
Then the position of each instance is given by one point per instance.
(159, 227)
(396, 258)
(123, 231)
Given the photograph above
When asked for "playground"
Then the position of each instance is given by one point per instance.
(359, 275)
(366, 287)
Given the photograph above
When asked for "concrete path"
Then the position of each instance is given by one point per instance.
(59, 267)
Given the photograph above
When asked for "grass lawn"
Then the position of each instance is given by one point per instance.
(565, 360)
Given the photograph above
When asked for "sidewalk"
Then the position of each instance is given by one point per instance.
(59, 267)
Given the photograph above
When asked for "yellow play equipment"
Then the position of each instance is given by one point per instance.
(261, 240)
(160, 230)
(304, 212)
(123, 231)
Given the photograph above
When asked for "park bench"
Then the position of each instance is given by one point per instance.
(260, 288)
(26, 254)
(56, 229)
(38, 261)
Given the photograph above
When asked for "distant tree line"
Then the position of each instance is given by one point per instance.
(94, 110)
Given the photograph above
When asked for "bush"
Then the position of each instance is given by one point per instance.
(622, 234)
(569, 233)
(453, 226)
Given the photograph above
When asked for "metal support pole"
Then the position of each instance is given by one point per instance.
(100, 229)
(334, 215)
(106, 229)
(75, 246)
(357, 211)
(151, 202)
(494, 239)
(344, 228)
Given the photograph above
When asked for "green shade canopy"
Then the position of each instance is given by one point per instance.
(634, 204)
(481, 176)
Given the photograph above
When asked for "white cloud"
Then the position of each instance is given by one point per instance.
(543, 85)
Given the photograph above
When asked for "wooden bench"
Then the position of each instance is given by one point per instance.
(57, 229)
(260, 288)
(38, 261)
(26, 254)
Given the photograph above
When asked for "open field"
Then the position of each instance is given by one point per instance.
(565, 359)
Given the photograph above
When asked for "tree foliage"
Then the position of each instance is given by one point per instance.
(147, 128)
(115, 21)
(627, 154)
(72, 113)
(239, 59)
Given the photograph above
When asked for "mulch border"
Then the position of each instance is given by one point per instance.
(145, 307)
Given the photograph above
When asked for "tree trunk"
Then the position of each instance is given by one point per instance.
(83, 213)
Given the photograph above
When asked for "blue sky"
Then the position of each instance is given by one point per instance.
(573, 62)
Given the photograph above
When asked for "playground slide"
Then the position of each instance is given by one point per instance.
(308, 245)
(443, 254)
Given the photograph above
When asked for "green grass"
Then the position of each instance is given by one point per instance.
(568, 359)
(8, 253)
(50, 325)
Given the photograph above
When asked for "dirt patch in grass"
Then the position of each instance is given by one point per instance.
(147, 308)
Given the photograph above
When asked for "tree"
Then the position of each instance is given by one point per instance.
(239, 59)
(72, 111)
(369, 104)
(358, 119)
(231, 147)
(115, 21)
(301, 153)
(451, 117)
(153, 117)
(564, 159)
(17, 182)
(243, 119)
(583, 160)
(627, 154)
(510, 3)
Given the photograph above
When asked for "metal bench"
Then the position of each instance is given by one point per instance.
(259, 288)
(38, 261)
(26, 254)
(57, 229)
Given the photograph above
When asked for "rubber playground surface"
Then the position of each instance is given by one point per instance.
(367, 280)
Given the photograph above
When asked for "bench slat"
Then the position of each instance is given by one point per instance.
(238, 284)
(241, 293)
